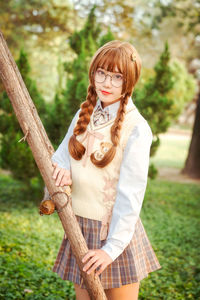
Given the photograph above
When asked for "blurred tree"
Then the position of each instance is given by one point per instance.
(42, 20)
(84, 43)
(17, 157)
(152, 100)
(42, 28)
(106, 38)
(148, 23)
(192, 163)
(116, 13)
(45, 26)
(186, 13)
(183, 90)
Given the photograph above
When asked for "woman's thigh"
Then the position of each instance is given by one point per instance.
(126, 292)
(81, 294)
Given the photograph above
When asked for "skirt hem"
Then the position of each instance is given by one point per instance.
(134, 264)
(111, 286)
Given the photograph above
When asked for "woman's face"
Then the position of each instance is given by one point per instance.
(108, 86)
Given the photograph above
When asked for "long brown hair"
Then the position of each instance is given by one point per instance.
(111, 55)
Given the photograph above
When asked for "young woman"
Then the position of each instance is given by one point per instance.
(105, 157)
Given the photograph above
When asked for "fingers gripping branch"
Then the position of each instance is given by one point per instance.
(62, 177)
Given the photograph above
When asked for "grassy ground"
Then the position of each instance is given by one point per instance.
(29, 244)
(172, 151)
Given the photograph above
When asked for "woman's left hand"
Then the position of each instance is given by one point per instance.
(96, 258)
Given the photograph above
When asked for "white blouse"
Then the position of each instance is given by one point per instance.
(132, 180)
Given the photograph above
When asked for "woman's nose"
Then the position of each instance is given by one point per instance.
(108, 80)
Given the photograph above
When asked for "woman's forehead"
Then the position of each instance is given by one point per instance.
(114, 70)
(111, 61)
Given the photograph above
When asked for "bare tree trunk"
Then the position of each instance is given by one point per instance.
(42, 151)
(192, 164)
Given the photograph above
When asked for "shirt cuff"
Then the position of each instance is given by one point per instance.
(113, 249)
(65, 165)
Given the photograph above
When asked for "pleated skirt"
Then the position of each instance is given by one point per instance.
(134, 264)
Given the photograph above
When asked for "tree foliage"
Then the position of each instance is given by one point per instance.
(42, 19)
(84, 43)
(183, 90)
(152, 99)
(17, 157)
(158, 99)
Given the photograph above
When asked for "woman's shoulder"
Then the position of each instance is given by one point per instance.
(133, 115)
(137, 120)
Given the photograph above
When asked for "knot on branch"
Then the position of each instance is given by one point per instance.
(47, 206)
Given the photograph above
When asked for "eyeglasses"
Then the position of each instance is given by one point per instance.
(116, 79)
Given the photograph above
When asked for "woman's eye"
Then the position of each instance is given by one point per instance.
(100, 72)
(118, 76)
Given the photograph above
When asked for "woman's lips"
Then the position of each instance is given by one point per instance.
(105, 93)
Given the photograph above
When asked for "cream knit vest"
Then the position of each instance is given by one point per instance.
(93, 188)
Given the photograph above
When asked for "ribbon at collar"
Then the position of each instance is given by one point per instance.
(90, 136)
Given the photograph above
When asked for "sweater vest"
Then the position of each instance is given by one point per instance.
(94, 189)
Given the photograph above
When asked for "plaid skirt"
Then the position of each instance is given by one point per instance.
(135, 263)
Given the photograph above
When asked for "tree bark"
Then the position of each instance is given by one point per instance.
(192, 164)
(42, 151)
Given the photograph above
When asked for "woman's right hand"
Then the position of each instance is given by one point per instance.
(61, 176)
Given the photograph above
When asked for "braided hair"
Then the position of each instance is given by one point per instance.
(111, 55)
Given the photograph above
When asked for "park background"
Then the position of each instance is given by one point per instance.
(52, 42)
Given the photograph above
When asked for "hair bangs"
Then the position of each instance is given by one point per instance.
(116, 56)
(111, 61)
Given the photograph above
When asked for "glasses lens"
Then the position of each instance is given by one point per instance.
(117, 80)
(100, 76)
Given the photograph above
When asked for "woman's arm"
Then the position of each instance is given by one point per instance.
(130, 190)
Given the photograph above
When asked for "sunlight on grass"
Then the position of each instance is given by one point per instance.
(172, 151)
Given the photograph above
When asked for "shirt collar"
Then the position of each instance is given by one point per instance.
(113, 108)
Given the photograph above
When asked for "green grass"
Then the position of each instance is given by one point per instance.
(171, 152)
(29, 244)
(171, 214)
(28, 247)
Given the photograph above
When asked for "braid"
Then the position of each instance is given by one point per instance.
(76, 149)
(115, 135)
(116, 128)
(128, 62)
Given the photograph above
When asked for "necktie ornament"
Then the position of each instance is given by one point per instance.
(100, 116)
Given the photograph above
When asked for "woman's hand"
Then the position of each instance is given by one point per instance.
(94, 259)
(62, 176)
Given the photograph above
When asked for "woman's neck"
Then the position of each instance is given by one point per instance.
(104, 104)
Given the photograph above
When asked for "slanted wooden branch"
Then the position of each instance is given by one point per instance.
(42, 151)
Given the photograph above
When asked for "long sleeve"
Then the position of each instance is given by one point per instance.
(130, 190)
(61, 155)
